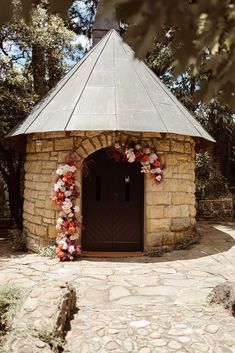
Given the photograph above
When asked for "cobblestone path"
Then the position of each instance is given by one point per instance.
(144, 305)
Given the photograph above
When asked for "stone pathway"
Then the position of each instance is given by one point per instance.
(144, 305)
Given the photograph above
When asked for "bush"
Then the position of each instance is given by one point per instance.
(210, 184)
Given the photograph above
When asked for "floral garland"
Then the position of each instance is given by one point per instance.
(145, 155)
(67, 190)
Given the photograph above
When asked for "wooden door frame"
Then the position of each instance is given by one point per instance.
(142, 207)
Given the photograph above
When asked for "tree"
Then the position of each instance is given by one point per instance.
(218, 119)
(200, 25)
(33, 57)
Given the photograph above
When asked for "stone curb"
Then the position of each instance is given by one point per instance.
(47, 308)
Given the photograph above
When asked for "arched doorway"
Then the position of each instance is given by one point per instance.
(112, 205)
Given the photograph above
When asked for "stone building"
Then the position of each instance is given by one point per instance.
(107, 97)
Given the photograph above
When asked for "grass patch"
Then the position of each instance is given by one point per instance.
(56, 343)
(48, 251)
(11, 299)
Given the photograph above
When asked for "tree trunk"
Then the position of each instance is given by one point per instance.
(39, 71)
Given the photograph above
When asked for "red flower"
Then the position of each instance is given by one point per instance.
(157, 164)
(145, 158)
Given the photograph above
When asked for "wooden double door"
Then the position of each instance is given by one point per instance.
(112, 205)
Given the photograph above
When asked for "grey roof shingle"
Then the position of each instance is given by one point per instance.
(111, 90)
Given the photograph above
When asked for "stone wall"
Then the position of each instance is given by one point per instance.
(169, 208)
(221, 209)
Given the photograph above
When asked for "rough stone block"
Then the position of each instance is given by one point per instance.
(172, 211)
(155, 239)
(33, 167)
(162, 145)
(184, 211)
(96, 142)
(62, 157)
(169, 238)
(31, 147)
(52, 232)
(47, 145)
(187, 147)
(154, 211)
(88, 147)
(54, 135)
(81, 152)
(177, 146)
(154, 225)
(103, 140)
(65, 144)
(170, 185)
(158, 198)
(180, 224)
(41, 231)
(43, 156)
(183, 198)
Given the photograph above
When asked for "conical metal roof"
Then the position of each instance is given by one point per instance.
(111, 90)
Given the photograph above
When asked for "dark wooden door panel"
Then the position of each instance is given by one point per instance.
(112, 205)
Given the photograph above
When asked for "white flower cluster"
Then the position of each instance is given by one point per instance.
(130, 155)
(63, 169)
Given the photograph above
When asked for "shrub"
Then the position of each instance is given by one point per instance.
(210, 183)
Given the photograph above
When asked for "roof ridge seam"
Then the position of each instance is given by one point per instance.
(79, 64)
(146, 91)
(87, 81)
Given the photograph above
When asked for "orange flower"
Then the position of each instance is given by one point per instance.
(71, 224)
(157, 164)
(55, 199)
(65, 224)
(145, 159)
(69, 175)
(61, 254)
(72, 230)
(60, 195)
(70, 181)
(65, 179)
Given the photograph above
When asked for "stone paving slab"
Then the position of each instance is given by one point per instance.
(144, 305)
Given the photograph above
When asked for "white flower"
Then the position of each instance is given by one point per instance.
(152, 157)
(76, 209)
(145, 169)
(66, 209)
(72, 169)
(60, 183)
(153, 171)
(71, 214)
(158, 177)
(58, 227)
(63, 189)
(158, 170)
(74, 236)
(68, 193)
(71, 249)
(130, 155)
(56, 187)
(147, 151)
(62, 214)
(138, 147)
(63, 242)
(59, 171)
(60, 220)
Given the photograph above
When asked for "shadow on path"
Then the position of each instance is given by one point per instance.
(213, 241)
